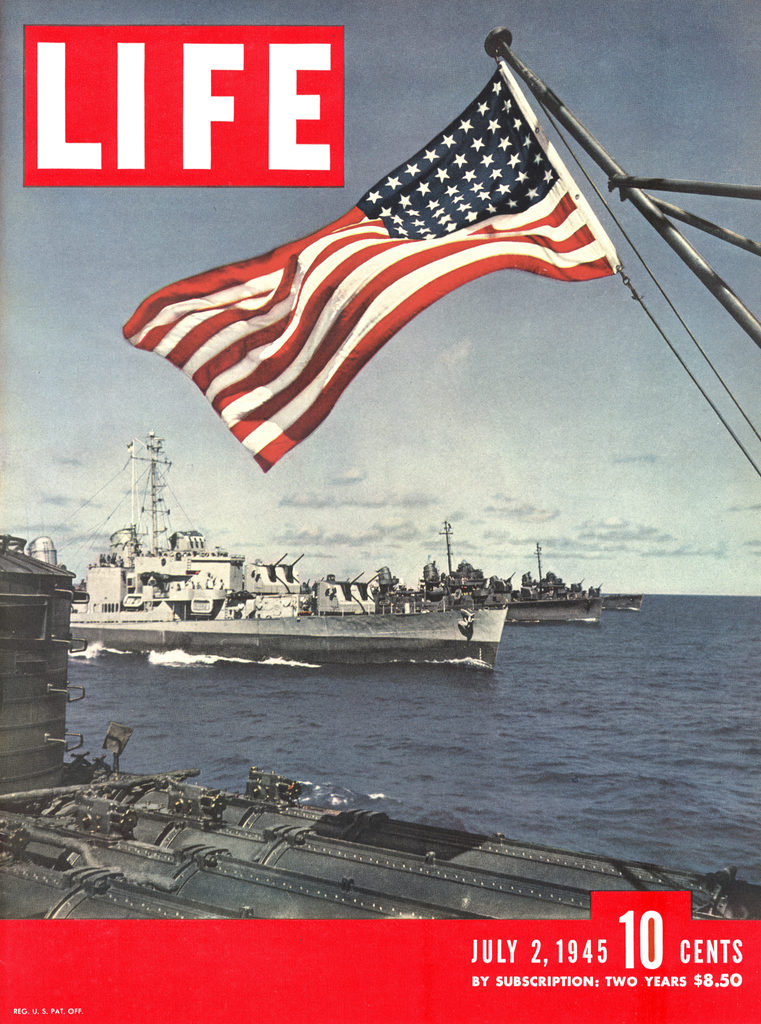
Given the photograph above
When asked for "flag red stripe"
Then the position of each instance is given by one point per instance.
(216, 280)
(304, 318)
(336, 335)
(219, 278)
(267, 456)
(204, 331)
(274, 451)
(331, 341)
(386, 328)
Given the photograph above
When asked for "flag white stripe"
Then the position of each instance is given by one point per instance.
(228, 335)
(262, 287)
(265, 284)
(396, 294)
(362, 276)
(309, 280)
(240, 329)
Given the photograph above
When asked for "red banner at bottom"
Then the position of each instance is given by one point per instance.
(639, 957)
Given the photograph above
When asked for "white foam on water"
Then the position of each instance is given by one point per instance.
(91, 651)
(288, 663)
(94, 649)
(178, 658)
(328, 795)
(466, 662)
(181, 659)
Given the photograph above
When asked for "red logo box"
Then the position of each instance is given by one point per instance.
(179, 105)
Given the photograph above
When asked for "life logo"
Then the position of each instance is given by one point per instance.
(179, 105)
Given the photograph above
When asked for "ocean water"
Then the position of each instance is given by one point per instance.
(639, 737)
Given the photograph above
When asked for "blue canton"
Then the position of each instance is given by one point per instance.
(486, 162)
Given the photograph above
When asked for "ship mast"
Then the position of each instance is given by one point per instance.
(447, 532)
(156, 456)
(539, 560)
(153, 449)
(133, 524)
(133, 544)
(631, 187)
(156, 482)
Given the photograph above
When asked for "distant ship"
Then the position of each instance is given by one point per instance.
(622, 602)
(146, 594)
(546, 600)
(549, 599)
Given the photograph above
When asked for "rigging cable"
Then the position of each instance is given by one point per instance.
(177, 501)
(87, 539)
(105, 485)
(635, 295)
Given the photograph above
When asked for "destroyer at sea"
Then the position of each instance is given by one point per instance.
(84, 839)
(548, 599)
(146, 594)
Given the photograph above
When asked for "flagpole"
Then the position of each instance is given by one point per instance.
(497, 45)
(699, 188)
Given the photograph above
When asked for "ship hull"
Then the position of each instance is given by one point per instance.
(622, 602)
(348, 639)
(549, 611)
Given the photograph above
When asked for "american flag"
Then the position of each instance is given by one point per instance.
(273, 341)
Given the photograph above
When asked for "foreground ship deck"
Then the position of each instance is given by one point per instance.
(158, 847)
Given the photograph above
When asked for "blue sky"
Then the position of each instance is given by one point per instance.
(519, 409)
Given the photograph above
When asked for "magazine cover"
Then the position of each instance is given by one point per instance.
(379, 552)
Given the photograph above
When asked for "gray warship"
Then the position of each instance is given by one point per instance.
(548, 600)
(83, 839)
(145, 594)
(622, 602)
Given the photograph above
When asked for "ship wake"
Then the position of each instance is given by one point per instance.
(182, 659)
(474, 663)
(94, 649)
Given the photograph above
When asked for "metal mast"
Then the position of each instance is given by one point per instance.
(155, 454)
(447, 532)
(131, 449)
(157, 484)
(539, 560)
(154, 446)
(497, 45)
